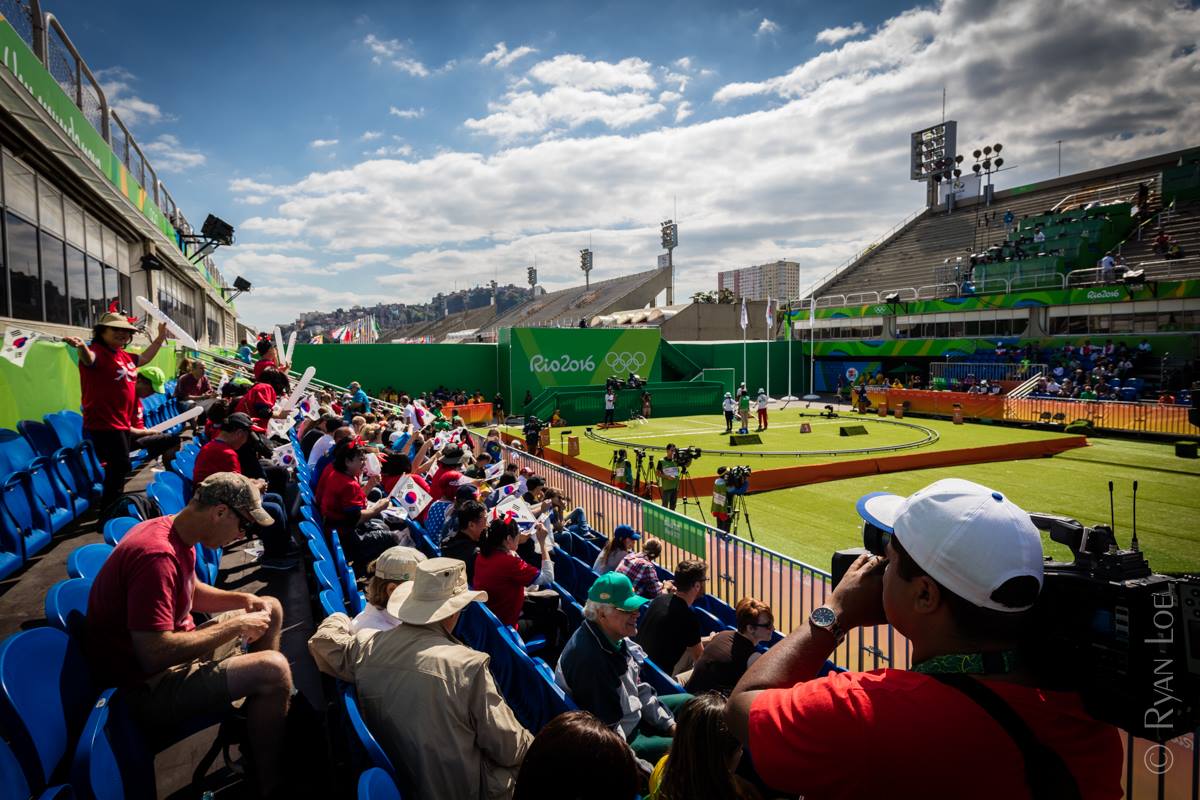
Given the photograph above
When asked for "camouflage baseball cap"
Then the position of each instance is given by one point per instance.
(235, 491)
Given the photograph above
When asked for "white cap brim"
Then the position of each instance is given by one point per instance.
(880, 509)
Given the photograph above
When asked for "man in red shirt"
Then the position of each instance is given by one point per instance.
(140, 635)
(963, 569)
(221, 455)
(107, 375)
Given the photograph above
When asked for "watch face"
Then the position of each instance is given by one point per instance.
(823, 617)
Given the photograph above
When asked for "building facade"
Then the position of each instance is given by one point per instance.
(779, 279)
(81, 206)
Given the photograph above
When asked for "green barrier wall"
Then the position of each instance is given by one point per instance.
(49, 381)
(541, 358)
(411, 368)
(729, 354)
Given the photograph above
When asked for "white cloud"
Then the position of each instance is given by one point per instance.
(577, 72)
(319, 143)
(683, 63)
(683, 111)
(669, 97)
(835, 35)
(393, 52)
(814, 170)
(767, 28)
(359, 261)
(370, 136)
(167, 154)
(501, 56)
(133, 111)
(406, 113)
(387, 151)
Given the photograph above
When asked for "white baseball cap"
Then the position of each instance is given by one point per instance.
(967, 537)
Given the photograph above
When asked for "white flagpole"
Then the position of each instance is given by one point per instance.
(745, 324)
(812, 350)
(790, 397)
(768, 386)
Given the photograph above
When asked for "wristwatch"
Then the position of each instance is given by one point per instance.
(824, 617)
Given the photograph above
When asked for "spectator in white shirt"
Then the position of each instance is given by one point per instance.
(395, 566)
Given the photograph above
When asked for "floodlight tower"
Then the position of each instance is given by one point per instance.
(531, 275)
(585, 264)
(670, 240)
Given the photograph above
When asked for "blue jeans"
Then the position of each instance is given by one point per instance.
(275, 538)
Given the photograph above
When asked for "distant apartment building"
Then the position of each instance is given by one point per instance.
(779, 279)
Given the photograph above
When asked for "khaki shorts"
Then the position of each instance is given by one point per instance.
(164, 703)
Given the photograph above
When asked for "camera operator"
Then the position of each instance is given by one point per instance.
(533, 435)
(668, 478)
(722, 501)
(963, 569)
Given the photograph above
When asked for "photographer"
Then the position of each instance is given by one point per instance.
(963, 570)
(668, 478)
(533, 435)
(722, 501)
(610, 405)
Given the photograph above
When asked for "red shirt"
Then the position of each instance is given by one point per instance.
(445, 483)
(262, 364)
(925, 738)
(145, 585)
(504, 576)
(337, 493)
(216, 456)
(109, 388)
(252, 402)
(189, 386)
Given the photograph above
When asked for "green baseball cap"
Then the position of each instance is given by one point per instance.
(154, 376)
(614, 589)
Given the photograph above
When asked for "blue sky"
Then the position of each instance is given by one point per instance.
(386, 151)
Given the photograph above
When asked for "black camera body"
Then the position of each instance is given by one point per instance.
(619, 456)
(737, 479)
(684, 456)
(1106, 626)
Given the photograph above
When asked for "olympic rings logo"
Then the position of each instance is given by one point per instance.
(625, 362)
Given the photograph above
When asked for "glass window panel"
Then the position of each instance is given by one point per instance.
(50, 207)
(77, 287)
(109, 256)
(54, 280)
(91, 226)
(73, 219)
(20, 191)
(112, 287)
(123, 256)
(95, 284)
(24, 275)
(126, 292)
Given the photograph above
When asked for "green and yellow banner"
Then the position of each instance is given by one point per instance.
(540, 358)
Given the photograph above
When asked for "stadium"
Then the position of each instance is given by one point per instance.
(1036, 339)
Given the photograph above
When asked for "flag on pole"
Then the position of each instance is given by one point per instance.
(745, 319)
(769, 319)
(812, 311)
(17, 344)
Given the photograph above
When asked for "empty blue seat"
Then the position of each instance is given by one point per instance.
(62, 461)
(45, 694)
(51, 497)
(111, 761)
(66, 605)
(663, 683)
(14, 785)
(86, 561)
(173, 482)
(21, 526)
(365, 748)
(166, 497)
(330, 602)
(116, 528)
(376, 784)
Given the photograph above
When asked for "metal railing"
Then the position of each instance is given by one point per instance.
(1111, 192)
(985, 371)
(1105, 414)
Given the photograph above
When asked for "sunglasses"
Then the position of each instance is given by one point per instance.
(244, 523)
(767, 625)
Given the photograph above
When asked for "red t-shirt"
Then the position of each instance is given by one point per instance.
(145, 585)
(336, 493)
(262, 364)
(216, 456)
(109, 388)
(922, 736)
(445, 483)
(504, 576)
(252, 402)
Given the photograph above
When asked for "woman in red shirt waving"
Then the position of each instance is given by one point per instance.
(504, 575)
(108, 381)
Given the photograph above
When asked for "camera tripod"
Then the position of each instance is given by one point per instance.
(619, 468)
(688, 490)
(740, 509)
(643, 477)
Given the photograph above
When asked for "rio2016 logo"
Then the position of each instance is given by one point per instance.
(564, 363)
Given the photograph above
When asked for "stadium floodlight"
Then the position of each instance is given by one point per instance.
(215, 233)
(892, 299)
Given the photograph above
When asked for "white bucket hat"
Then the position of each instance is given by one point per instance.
(438, 590)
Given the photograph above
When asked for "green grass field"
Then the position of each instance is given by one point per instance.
(810, 522)
(784, 434)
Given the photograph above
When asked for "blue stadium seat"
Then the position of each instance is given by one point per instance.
(86, 561)
(326, 576)
(663, 683)
(330, 603)
(166, 497)
(44, 442)
(724, 612)
(13, 783)
(376, 784)
(66, 605)
(175, 483)
(45, 694)
(423, 540)
(708, 623)
(354, 600)
(116, 528)
(21, 526)
(111, 761)
(364, 747)
(52, 499)
(68, 426)
(573, 575)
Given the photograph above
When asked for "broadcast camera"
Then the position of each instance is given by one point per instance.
(635, 381)
(737, 479)
(1125, 638)
(619, 456)
(684, 456)
(614, 383)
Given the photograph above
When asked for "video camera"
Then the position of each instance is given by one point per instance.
(684, 456)
(1104, 625)
(533, 426)
(619, 456)
(737, 479)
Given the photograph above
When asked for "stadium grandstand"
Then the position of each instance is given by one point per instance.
(431, 564)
